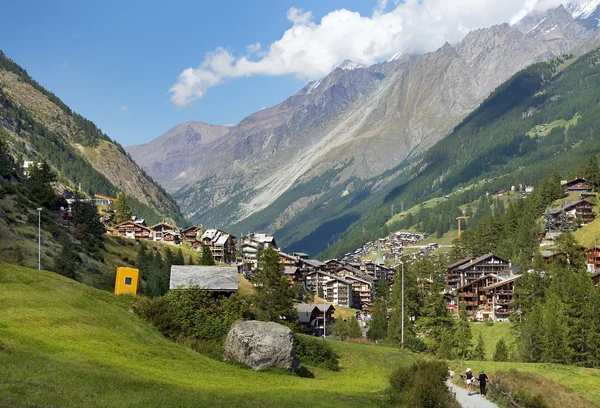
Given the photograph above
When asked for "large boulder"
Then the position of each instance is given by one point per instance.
(261, 345)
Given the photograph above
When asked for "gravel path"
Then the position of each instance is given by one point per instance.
(466, 401)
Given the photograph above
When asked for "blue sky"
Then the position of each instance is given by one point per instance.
(100, 57)
(138, 68)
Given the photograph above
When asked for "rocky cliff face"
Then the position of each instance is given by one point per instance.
(361, 121)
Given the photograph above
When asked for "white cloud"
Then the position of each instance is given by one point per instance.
(310, 49)
(124, 108)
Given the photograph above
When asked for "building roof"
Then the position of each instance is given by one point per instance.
(222, 240)
(502, 282)
(132, 223)
(459, 263)
(479, 260)
(566, 206)
(291, 270)
(193, 227)
(493, 275)
(211, 278)
(576, 181)
(312, 262)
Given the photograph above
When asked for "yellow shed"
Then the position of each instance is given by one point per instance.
(126, 281)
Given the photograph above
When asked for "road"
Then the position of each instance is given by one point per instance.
(466, 401)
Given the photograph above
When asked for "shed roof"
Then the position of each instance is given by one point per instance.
(211, 278)
(566, 206)
(479, 260)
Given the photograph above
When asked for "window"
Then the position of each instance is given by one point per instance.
(128, 281)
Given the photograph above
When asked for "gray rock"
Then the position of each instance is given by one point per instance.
(261, 345)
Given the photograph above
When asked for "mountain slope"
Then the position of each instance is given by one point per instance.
(66, 344)
(499, 141)
(39, 125)
(169, 156)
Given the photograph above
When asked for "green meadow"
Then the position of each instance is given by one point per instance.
(67, 344)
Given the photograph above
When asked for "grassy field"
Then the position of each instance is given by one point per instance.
(491, 335)
(67, 344)
(544, 129)
(561, 386)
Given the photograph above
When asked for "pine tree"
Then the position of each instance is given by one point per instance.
(479, 351)
(463, 337)
(143, 261)
(207, 258)
(40, 177)
(555, 337)
(354, 330)
(379, 324)
(178, 260)
(65, 263)
(190, 260)
(86, 213)
(274, 299)
(501, 353)
(122, 209)
(7, 164)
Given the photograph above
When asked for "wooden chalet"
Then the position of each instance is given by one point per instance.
(171, 237)
(294, 274)
(288, 260)
(482, 266)
(160, 229)
(453, 276)
(569, 211)
(190, 234)
(315, 318)
(472, 295)
(129, 229)
(499, 299)
(593, 258)
(579, 185)
(221, 244)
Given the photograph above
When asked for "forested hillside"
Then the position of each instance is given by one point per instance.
(39, 126)
(545, 118)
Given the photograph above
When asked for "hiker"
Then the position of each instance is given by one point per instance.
(482, 381)
(469, 380)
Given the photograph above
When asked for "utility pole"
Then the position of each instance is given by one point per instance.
(39, 210)
(402, 263)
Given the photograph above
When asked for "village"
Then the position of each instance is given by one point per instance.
(482, 287)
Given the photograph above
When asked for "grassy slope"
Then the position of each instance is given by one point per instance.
(491, 335)
(66, 344)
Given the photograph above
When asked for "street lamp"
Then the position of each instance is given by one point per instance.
(402, 263)
(39, 210)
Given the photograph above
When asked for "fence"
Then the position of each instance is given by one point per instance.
(496, 387)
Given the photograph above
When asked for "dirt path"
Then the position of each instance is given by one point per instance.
(466, 401)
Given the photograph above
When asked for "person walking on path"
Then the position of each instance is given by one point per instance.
(482, 381)
(466, 401)
(469, 380)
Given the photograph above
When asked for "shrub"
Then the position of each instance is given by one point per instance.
(316, 352)
(501, 353)
(527, 400)
(423, 384)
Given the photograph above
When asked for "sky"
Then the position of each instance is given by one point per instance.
(138, 68)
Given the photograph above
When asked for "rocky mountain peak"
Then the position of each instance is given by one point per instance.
(349, 65)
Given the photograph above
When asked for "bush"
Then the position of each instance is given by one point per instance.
(316, 352)
(423, 384)
(527, 400)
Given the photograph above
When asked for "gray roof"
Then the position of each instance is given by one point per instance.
(480, 259)
(212, 278)
(291, 270)
(566, 206)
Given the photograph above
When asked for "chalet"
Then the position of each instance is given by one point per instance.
(362, 291)
(288, 260)
(338, 291)
(251, 244)
(499, 299)
(593, 258)
(472, 295)
(579, 185)
(316, 280)
(568, 212)
(129, 229)
(294, 274)
(171, 237)
(453, 276)
(479, 267)
(217, 279)
(160, 229)
(190, 234)
(221, 244)
(315, 318)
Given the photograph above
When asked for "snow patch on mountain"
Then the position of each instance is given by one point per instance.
(582, 11)
(349, 65)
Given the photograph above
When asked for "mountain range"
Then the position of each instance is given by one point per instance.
(296, 166)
